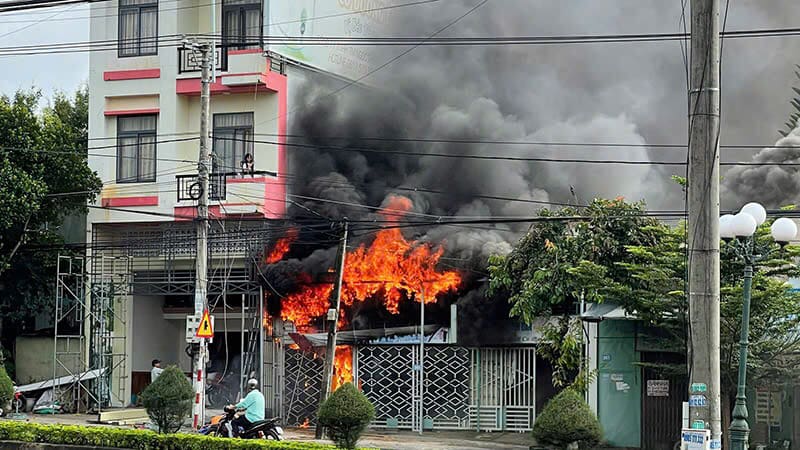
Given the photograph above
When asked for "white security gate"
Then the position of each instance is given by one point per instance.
(457, 387)
(503, 389)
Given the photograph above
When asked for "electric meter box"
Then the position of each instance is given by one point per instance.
(693, 439)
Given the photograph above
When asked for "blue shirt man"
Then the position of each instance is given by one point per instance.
(253, 403)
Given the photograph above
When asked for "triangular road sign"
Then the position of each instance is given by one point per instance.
(205, 330)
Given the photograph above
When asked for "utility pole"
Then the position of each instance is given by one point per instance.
(201, 261)
(333, 322)
(703, 219)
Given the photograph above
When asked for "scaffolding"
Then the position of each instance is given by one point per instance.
(88, 353)
(94, 300)
(70, 351)
(110, 290)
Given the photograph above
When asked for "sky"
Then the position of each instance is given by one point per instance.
(50, 73)
(633, 92)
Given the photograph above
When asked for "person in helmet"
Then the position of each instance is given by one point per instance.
(253, 406)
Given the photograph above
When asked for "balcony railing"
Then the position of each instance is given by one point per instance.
(189, 187)
(189, 61)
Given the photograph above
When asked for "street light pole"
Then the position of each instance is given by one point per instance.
(740, 430)
(742, 228)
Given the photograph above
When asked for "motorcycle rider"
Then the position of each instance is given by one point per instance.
(253, 406)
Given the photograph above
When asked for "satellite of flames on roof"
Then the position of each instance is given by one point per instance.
(391, 268)
(281, 247)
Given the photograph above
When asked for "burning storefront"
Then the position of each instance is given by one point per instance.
(446, 374)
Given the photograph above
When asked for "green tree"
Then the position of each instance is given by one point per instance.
(168, 400)
(548, 270)
(345, 415)
(44, 177)
(618, 255)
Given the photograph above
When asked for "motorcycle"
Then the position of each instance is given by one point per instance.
(222, 426)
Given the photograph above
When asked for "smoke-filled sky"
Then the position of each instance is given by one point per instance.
(628, 93)
(632, 93)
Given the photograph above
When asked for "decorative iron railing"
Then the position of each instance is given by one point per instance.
(189, 61)
(189, 187)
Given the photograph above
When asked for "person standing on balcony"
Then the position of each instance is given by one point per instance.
(247, 165)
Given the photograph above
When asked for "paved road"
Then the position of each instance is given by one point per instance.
(444, 440)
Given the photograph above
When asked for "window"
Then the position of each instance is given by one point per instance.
(233, 139)
(138, 27)
(136, 149)
(241, 24)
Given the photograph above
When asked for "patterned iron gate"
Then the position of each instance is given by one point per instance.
(503, 389)
(446, 387)
(457, 383)
(388, 378)
(384, 374)
(303, 379)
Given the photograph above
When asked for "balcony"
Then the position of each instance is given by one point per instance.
(189, 187)
(189, 61)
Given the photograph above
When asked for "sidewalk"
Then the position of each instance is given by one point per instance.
(384, 440)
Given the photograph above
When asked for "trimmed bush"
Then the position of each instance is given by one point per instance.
(566, 419)
(136, 439)
(168, 400)
(6, 389)
(345, 415)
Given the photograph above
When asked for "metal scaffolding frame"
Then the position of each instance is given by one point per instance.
(69, 341)
(110, 291)
(86, 348)
(94, 298)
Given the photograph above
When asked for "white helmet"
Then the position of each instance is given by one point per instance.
(252, 383)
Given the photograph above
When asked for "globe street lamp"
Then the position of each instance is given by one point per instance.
(739, 230)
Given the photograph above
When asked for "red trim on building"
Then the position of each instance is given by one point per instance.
(245, 51)
(247, 180)
(191, 86)
(275, 188)
(135, 74)
(132, 112)
(130, 201)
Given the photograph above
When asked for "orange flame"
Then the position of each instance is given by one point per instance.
(281, 247)
(342, 367)
(391, 268)
(304, 424)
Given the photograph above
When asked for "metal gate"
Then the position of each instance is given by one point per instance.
(662, 410)
(456, 384)
(385, 377)
(503, 389)
(302, 388)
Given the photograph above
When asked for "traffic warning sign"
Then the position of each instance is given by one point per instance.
(205, 330)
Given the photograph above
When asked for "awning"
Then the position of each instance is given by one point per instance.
(350, 337)
(595, 312)
(46, 384)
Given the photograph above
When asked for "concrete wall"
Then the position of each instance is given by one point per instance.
(34, 358)
(153, 336)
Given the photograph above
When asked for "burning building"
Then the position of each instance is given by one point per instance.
(459, 376)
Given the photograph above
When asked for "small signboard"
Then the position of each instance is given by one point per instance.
(205, 330)
(698, 401)
(695, 439)
(699, 387)
(658, 388)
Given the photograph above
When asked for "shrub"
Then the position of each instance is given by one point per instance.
(136, 439)
(345, 415)
(168, 400)
(566, 419)
(6, 388)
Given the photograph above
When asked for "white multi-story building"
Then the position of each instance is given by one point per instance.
(144, 121)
